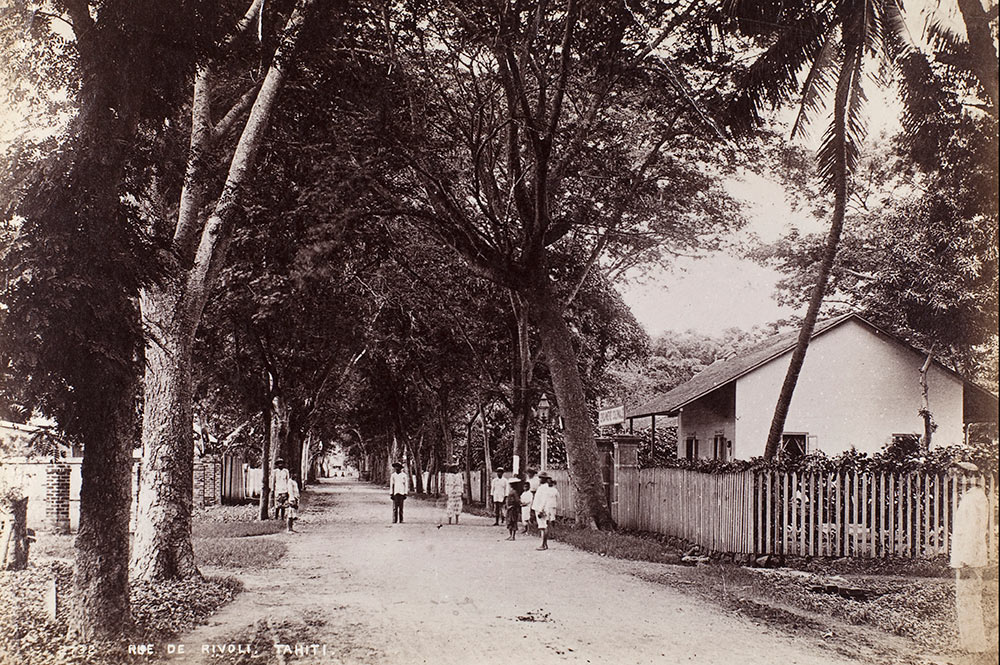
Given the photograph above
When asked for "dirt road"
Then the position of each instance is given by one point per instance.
(363, 590)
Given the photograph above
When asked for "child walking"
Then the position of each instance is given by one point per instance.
(293, 503)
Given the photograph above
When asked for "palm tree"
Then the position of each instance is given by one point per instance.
(835, 42)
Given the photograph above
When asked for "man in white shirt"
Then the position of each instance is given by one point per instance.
(279, 488)
(544, 505)
(498, 492)
(970, 559)
(398, 487)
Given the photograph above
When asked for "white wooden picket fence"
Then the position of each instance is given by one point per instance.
(804, 514)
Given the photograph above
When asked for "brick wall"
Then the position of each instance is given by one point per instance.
(207, 481)
(57, 497)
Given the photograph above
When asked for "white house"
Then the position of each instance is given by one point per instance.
(859, 387)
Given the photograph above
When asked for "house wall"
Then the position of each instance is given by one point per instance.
(704, 418)
(857, 387)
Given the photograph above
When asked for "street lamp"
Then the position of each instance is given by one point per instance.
(543, 416)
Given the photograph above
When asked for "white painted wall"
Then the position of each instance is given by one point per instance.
(857, 387)
(704, 418)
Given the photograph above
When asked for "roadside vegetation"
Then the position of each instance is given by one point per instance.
(899, 603)
(225, 539)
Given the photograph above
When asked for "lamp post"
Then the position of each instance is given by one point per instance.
(543, 416)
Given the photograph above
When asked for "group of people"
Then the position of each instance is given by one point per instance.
(533, 501)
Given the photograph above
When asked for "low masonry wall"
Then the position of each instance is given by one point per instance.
(53, 488)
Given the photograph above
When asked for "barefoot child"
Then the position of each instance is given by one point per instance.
(513, 507)
(526, 497)
(293, 503)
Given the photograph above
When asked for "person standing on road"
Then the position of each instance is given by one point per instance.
(280, 489)
(527, 496)
(498, 492)
(969, 558)
(293, 503)
(398, 487)
(453, 491)
(512, 505)
(545, 507)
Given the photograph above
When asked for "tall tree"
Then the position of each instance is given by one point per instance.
(199, 238)
(70, 324)
(831, 43)
(531, 125)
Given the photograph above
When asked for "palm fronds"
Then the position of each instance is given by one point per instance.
(774, 76)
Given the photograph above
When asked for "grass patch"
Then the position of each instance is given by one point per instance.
(238, 553)
(245, 512)
(212, 530)
(616, 545)
(52, 546)
(910, 599)
(227, 537)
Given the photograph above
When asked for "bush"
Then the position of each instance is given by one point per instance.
(889, 460)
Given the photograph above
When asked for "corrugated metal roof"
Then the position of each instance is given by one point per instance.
(722, 372)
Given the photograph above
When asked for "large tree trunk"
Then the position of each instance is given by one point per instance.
(264, 506)
(805, 332)
(280, 428)
(101, 607)
(925, 406)
(14, 543)
(306, 473)
(581, 449)
(468, 461)
(523, 371)
(162, 546)
(201, 245)
(446, 436)
(981, 47)
(487, 458)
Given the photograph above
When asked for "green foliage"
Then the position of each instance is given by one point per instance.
(892, 459)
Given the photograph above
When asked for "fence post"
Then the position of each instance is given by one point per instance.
(626, 456)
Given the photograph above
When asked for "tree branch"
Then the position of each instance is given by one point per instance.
(241, 106)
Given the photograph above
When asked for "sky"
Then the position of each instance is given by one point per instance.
(722, 290)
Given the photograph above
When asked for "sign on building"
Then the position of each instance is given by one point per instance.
(611, 416)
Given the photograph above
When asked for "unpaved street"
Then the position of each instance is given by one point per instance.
(368, 591)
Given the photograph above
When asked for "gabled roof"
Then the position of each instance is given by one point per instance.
(720, 373)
